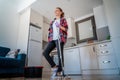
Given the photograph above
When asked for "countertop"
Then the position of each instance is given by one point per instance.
(85, 44)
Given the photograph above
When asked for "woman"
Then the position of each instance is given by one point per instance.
(57, 27)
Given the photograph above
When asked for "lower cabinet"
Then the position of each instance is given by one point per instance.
(88, 58)
(106, 56)
(107, 62)
(72, 61)
(98, 59)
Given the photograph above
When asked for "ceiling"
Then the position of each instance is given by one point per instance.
(72, 8)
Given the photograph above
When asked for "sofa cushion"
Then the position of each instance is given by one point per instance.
(4, 51)
(10, 62)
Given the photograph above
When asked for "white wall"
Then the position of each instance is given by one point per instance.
(23, 4)
(8, 23)
(112, 9)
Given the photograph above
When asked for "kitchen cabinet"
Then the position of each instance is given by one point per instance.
(30, 35)
(113, 17)
(107, 62)
(100, 17)
(88, 58)
(71, 28)
(106, 56)
(101, 23)
(46, 25)
(98, 58)
(34, 46)
(36, 18)
(72, 61)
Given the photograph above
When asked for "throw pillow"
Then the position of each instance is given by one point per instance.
(12, 54)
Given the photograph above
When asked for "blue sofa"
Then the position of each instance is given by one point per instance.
(11, 67)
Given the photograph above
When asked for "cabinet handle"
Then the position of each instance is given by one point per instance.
(106, 62)
(93, 48)
(103, 45)
(103, 52)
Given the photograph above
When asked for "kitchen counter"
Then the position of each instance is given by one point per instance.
(88, 44)
(84, 44)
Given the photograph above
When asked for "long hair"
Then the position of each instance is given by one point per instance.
(62, 15)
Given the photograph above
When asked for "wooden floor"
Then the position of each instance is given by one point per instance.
(85, 77)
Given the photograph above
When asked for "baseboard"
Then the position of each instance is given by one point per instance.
(102, 71)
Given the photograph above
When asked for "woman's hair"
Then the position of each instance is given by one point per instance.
(62, 15)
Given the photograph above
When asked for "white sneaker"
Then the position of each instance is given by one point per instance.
(54, 71)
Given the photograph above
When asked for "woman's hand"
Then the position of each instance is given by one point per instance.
(57, 24)
(62, 28)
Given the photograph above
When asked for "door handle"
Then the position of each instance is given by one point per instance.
(93, 49)
(106, 62)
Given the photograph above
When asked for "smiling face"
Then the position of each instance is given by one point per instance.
(58, 13)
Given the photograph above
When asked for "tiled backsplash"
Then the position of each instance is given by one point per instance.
(70, 42)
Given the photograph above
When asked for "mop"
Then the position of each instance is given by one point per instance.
(63, 76)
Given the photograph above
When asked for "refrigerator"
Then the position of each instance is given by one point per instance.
(34, 53)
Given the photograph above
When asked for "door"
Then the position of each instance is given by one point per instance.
(34, 54)
(72, 61)
(35, 33)
(88, 58)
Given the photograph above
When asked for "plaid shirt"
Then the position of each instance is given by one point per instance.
(63, 34)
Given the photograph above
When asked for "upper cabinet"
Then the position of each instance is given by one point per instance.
(71, 28)
(100, 16)
(36, 18)
(46, 24)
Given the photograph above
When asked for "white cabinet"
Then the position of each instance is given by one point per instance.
(100, 17)
(46, 25)
(35, 46)
(71, 28)
(27, 17)
(36, 18)
(98, 58)
(107, 62)
(30, 38)
(72, 61)
(34, 54)
(113, 17)
(106, 56)
(88, 58)
(45, 30)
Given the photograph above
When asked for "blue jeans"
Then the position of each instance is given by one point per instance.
(50, 46)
